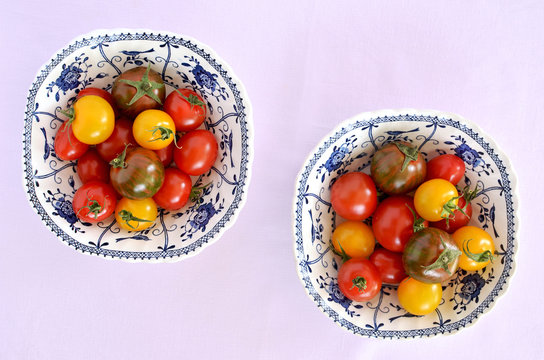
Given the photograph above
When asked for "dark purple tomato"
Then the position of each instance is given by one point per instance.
(431, 256)
(138, 89)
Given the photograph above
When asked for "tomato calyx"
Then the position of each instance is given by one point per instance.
(93, 206)
(419, 222)
(342, 253)
(119, 161)
(127, 217)
(144, 87)
(478, 257)
(192, 100)
(445, 258)
(359, 282)
(449, 208)
(71, 115)
(410, 154)
(196, 192)
(469, 195)
(165, 133)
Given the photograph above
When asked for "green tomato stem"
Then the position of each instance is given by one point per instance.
(165, 133)
(449, 208)
(196, 192)
(192, 100)
(477, 257)
(419, 222)
(127, 216)
(410, 154)
(94, 207)
(143, 87)
(119, 161)
(360, 283)
(446, 257)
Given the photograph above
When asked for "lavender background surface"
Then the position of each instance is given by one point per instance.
(307, 65)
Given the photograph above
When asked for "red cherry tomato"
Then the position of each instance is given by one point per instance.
(166, 154)
(94, 201)
(393, 222)
(389, 264)
(196, 152)
(106, 95)
(175, 190)
(115, 144)
(67, 147)
(187, 109)
(448, 167)
(359, 279)
(353, 196)
(91, 167)
(458, 219)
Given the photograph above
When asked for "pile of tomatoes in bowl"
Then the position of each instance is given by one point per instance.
(136, 148)
(406, 223)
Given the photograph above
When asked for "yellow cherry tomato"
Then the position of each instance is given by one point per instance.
(477, 247)
(354, 238)
(135, 215)
(92, 120)
(419, 298)
(154, 129)
(435, 199)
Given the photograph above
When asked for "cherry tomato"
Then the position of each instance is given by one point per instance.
(91, 167)
(359, 280)
(94, 201)
(354, 196)
(398, 168)
(92, 119)
(115, 144)
(187, 108)
(431, 256)
(137, 173)
(389, 264)
(196, 152)
(354, 239)
(166, 154)
(106, 95)
(448, 167)
(436, 199)
(394, 222)
(419, 298)
(67, 146)
(477, 246)
(175, 190)
(138, 89)
(153, 129)
(136, 215)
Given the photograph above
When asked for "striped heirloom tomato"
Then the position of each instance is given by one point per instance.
(137, 173)
(398, 168)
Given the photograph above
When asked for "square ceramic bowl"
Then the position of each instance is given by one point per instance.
(96, 60)
(350, 147)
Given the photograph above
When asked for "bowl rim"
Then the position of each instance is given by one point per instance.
(133, 255)
(369, 115)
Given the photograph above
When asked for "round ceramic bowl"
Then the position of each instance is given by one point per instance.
(96, 60)
(350, 147)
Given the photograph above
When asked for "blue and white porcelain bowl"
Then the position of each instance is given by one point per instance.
(350, 147)
(96, 59)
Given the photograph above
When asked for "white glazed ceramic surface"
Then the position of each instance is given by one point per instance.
(350, 147)
(96, 60)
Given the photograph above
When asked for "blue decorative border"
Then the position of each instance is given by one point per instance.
(440, 329)
(245, 139)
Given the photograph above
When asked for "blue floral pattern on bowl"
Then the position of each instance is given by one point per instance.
(97, 59)
(350, 147)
